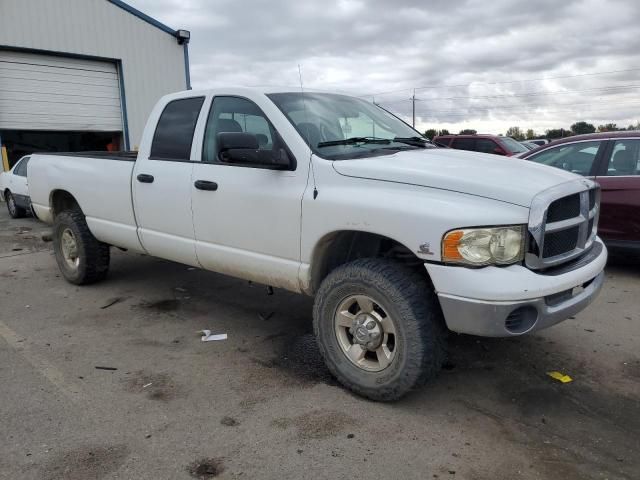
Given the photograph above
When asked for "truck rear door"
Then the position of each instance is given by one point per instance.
(247, 217)
(162, 183)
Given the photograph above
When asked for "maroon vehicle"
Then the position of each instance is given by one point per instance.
(482, 143)
(613, 160)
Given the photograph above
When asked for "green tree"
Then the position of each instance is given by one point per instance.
(580, 128)
(608, 127)
(634, 127)
(530, 134)
(557, 133)
(431, 133)
(444, 131)
(468, 131)
(515, 132)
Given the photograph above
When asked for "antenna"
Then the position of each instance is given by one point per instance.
(306, 120)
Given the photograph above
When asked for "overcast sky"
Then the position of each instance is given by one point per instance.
(465, 51)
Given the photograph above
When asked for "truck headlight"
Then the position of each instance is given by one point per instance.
(484, 246)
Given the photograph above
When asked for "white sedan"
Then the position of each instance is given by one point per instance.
(14, 188)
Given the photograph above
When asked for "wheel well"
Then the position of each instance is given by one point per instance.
(4, 194)
(343, 247)
(62, 200)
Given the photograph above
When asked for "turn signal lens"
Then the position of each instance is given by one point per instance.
(484, 246)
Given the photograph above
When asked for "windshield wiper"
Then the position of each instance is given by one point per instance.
(352, 140)
(414, 141)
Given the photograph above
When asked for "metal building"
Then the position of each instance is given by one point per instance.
(83, 74)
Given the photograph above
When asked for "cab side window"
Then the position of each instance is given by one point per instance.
(463, 143)
(573, 157)
(485, 145)
(625, 159)
(239, 115)
(174, 132)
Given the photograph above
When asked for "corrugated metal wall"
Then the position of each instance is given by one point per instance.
(152, 60)
(41, 92)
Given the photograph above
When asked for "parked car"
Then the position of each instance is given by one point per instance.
(332, 196)
(13, 185)
(613, 160)
(482, 143)
(529, 145)
(539, 141)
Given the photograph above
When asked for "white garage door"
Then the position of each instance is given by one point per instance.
(43, 92)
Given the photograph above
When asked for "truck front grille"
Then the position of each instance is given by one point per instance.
(562, 223)
(557, 243)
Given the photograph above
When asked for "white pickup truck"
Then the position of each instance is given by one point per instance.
(334, 197)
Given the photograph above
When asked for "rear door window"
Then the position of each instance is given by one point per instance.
(174, 132)
(573, 157)
(624, 159)
(21, 168)
(464, 143)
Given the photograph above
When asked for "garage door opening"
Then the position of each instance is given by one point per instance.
(20, 143)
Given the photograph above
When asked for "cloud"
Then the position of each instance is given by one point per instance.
(464, 50)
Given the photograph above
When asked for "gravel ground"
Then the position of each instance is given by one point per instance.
(262, 405)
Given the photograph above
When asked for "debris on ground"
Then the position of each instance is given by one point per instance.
(561, 377)
(266, 316)
(206, 468)
(47, 237)
(112, 301)
(105, 368)
(207, 336)
(180, 289)
(229, 422)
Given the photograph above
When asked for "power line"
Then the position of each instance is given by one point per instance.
(509, 107)
(519, 95)
(521, 113)
(502, 82)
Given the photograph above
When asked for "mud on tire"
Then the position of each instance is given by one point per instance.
(419, 331)
(89, 261)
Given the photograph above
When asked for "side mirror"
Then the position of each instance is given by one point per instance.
(244, 148)
(499, 151)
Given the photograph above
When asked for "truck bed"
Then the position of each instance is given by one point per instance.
(125, 155)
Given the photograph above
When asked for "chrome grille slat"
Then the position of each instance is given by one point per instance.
(572, 232)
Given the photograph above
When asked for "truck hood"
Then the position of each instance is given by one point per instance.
(507, 179)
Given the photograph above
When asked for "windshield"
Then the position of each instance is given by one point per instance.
(339, 127)
(513, 145)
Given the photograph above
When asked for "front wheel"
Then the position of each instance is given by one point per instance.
(379, 328)
(15, 211)
(81, 257)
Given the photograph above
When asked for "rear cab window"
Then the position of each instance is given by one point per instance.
(174, 133)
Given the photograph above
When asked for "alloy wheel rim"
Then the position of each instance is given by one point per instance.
(69, 247)
(366, 333)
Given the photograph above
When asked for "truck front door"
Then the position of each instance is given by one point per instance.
(247, 217)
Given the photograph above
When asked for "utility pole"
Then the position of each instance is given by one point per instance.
(413, 103)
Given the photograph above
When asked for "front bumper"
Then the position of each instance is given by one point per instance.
(511, 301)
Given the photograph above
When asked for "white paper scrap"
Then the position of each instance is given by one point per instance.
(207, 336)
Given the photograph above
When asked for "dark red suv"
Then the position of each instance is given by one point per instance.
(613, 160)
(482, 143)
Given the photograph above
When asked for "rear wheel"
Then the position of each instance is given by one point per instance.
(14, 210)
(81, 257)
(379, 328)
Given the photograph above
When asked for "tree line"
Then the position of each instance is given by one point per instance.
(577, 128)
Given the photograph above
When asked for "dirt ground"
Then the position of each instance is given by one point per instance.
(262, 405)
